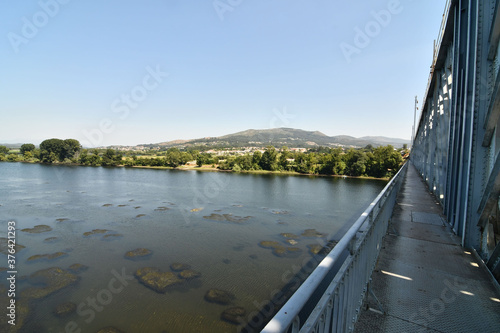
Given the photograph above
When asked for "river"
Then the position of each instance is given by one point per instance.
(212, 221)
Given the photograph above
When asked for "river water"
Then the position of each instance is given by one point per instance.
(211, 221)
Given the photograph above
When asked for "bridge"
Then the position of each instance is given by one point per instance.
(425, 255)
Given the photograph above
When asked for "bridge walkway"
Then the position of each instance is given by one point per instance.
(424, 280)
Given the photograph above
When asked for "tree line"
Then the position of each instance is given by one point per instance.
(379, 162)
(70, 151)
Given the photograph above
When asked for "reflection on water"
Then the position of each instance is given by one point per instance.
(162, 250)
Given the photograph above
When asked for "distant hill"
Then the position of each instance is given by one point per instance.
(385, 141)
(11, 145)
(278, 137)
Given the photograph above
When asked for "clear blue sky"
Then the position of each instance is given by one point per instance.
(82, 69)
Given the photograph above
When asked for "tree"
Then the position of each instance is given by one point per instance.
(62, 149)
(4, 150)
(27, 147)
(228, 163)
(71, 146)
(48, 157)
(52, 146)
(108, 158)
(327, 164)
(283, 159)
(36, 153)
(306, 163)
(339, 164)
(244, 162)
(269, 159)
(84, 155)
(185, 158)
(355, 162)
(203, 159)
(257, 156)
(94, 159)
(28, 155)
(173, 158)
(13, 158)
(386, 161)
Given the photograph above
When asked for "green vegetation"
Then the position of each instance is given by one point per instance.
(380, 162)
(377, 162)
(27, 147)
(53, 150)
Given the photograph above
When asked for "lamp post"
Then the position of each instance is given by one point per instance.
(414, 122)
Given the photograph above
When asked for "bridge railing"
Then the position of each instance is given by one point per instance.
(338, 308)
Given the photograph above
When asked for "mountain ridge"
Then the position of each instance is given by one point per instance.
(278, 137)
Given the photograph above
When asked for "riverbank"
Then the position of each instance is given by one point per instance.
(210, 168)
(256, 172)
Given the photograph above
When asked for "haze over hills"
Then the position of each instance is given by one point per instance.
(278, 137)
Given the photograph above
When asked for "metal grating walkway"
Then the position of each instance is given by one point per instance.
(424, 280)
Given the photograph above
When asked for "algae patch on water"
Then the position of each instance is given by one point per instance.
(234, 315)
(65, 309)
(50, 239)
(227, 217)
(313, 233)
(189, 274)
(138, 253)
(77, 268)
(156, 280)
(219, 296)
(52, 280)
(314, 248)
(95, 232)
(178, 266)
(48, 256)
(37, 229)
(112, 236)
(320, 249)
(106, 234)
(289, 235)
(280, 250)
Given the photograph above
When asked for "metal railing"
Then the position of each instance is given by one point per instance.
(338, 308)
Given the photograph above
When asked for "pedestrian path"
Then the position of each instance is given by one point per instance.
(424, 280)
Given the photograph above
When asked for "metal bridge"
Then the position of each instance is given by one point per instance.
(425, 255)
